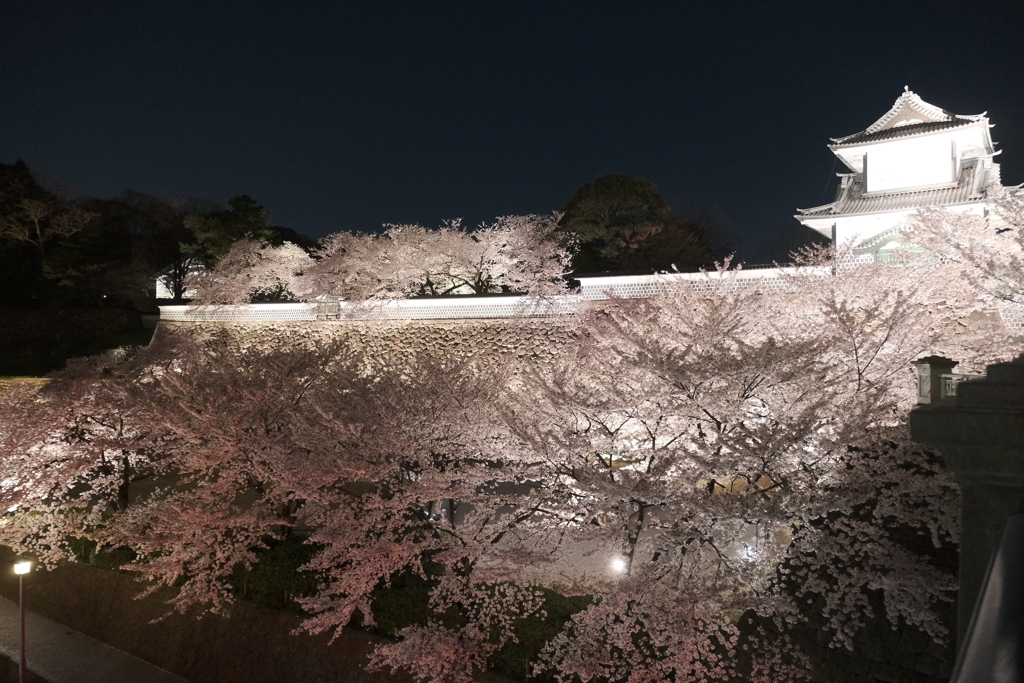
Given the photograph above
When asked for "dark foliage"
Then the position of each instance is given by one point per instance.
(624, 225)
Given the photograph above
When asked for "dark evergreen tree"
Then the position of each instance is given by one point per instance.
(624, 224)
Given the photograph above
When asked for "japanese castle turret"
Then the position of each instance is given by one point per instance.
(916, 155)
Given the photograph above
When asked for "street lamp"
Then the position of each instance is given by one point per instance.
(22, 568)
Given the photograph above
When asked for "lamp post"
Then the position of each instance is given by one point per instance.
(22, 568)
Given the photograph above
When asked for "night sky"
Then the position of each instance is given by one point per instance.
(345, 115)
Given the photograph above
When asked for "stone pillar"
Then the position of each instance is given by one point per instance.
(980, 433)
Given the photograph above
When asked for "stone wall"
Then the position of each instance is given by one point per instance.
(538, 339)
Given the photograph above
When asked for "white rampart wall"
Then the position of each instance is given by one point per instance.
(448, 308)
(766, 280)
(181, 314)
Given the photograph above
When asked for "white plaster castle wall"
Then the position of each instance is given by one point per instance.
(900, 164)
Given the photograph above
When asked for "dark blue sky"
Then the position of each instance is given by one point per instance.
(343, 116)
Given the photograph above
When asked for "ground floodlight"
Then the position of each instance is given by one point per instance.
(618, 565)
(22, 568)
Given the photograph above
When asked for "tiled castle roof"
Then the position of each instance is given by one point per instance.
(903, 131)
(972, 184)
(909, 115)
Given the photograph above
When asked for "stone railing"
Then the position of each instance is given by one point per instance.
(949, 382)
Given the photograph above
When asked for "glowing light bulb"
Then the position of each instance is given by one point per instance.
(618, 565)
(22, 567)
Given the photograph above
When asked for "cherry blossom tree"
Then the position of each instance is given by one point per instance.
(252, 270)
(703, 439)
(73, 451)
(989, 249)
(697, 459)
(253, 443)
(230, 442)
(513, 254)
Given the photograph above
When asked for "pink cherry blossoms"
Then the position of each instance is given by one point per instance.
(693, 461)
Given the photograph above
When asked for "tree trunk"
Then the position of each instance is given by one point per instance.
(122, 487)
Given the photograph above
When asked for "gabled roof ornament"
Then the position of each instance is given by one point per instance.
(908, 110)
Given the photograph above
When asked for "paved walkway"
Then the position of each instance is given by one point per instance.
(60, 655)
